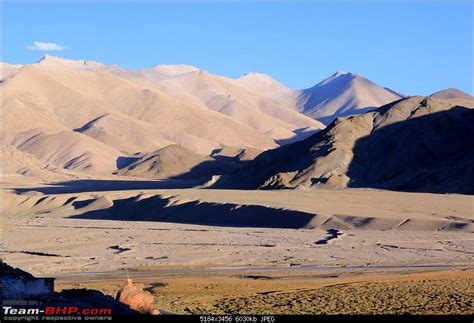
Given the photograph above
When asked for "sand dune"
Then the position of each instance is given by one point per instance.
(415, 144)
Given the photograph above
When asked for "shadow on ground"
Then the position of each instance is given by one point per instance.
(93, 185)
(161, 209)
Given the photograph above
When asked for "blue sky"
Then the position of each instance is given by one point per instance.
(414, 48)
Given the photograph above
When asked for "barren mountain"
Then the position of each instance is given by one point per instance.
(253, 100)
(174, 161)
(141, 111)
(57, 97)
(236, 153)
(451, 94)
(8, 69)
(264, 84)
(342, 94)
(414, 144)
(69, 150)
(15, 161)
(124, 133)
(88, 116)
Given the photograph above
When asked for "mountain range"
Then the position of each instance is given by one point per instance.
(77, 117)
(413, 144)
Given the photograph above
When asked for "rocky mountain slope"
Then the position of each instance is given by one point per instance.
(414, 144)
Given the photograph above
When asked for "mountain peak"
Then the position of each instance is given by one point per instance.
(340, 76)
(264, 83)
(58, 59)
(256, 79)
(255, 75)
(451, 93)
(48, 58)
(50, 61)
(342, 94)
(174, 70)
(339, 73)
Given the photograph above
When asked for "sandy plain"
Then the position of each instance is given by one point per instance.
(224, 251)
(322, 291)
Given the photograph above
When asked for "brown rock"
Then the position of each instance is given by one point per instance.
(136, 298)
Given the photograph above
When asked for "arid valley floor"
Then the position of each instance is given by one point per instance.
(349, 251)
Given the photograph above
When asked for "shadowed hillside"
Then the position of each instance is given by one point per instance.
(432, 153)
(414, 144)
(161, 209)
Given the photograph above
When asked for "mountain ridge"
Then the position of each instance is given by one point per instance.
(375, 150)
(121, 114)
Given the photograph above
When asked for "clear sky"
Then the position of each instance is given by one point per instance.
(412, 47)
